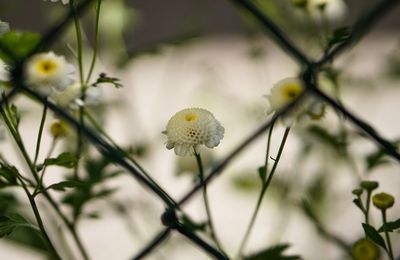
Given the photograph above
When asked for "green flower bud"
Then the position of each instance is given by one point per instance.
(357, 192)
(300, 3)
(364, 250)
(383, 200)
(369, 185)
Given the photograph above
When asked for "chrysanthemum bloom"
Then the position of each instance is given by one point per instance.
(63, 1)
(189, 128)
(365, 250)
(287, 91)
(47, 72)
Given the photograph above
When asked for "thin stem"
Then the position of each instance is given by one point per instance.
(39, 220)
(96, 41)
(267, 150)
(368, 202)
(264, 188)
(39, 138)
(388, 242)
(78, 40)
(160, 237)
(206, 202)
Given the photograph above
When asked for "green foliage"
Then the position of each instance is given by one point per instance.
(275, 252)
(104, 79)
(246, 182)
(66, 159)
(390, 226)
(374, 235)
(8, 175)
(338, 36)
(64, 184)
(19, 44)
(85, 190)
(378, 157)
(9, 223)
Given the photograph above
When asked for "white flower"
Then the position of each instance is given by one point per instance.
(288, 90)
(63, 1)
(71, 96)
(48, 72)
(4, 27)
(192, 127)
(333, 9)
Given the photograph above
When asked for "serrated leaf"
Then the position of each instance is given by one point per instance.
(390, 226)
(19, 44)
(192, 225)
(275, 252)
(66, 159)
(64, 184)
(9, 223)
(371, 232)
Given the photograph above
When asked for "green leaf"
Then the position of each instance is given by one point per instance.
(19, 44)
(66, 159)
(8, 176)
(274, 253)
(192, 225)
(331, 140)
(379, 157)
(247, 182)
(16, 115)
(390, 226)
(373, 235)
(103, 78)
(9, 223)
(339, 35)
(64, 184)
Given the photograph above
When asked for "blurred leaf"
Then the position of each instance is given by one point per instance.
(104, 79)
(192, 225)
(16, 115)
(331, 140)
(390, 226)
(247, 182)
(66, 159)
(262, 173)
(371, 232)
(274, 253)
(64, 184)
(9, 223)
(19, 43)
(339, 35)
(379, 157)
(8, 175)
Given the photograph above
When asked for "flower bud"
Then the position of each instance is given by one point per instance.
(383, 200)
(369, 185)
(58, 129)
(357, 192)
(364, 250)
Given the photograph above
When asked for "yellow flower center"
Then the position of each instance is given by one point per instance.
(190, 117)
(46, 67)
(292, 91)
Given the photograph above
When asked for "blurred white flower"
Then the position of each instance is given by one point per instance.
(288, 90)
(48, 72)
(63, 1)
(4, 27)
(192, 127)
(333, 9)
(71, 96)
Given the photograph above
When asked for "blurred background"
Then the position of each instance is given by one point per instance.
(170, 55)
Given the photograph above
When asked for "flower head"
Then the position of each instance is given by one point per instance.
(47, 72)
(365, 250)
(71, 96)
(383, 200)
(192, 127)
(287, 91)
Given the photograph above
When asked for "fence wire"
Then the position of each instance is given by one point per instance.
(310, 70)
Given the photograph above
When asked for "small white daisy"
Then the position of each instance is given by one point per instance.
(48, 72)
(71, 96)
(288, 90)
(190, 128)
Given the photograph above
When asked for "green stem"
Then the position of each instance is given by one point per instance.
(78, 39)
(96, 41)
(39, 138)
(39, 221)
(368, 202)
(264, 188)
(206, 202)
(389, 244)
